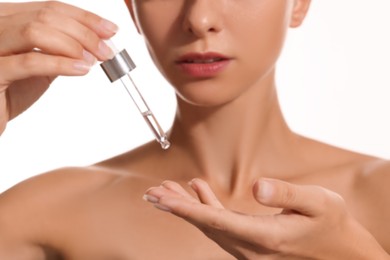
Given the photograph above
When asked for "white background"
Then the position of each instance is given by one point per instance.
(333, 80)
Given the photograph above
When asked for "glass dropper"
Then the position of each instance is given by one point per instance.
(119, 67)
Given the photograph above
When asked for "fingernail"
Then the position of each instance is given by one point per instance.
(266, 190)
(105, 51)
(109, 26)
(192, 185)
(162, 207)
(88, 57)
(81, 66)
(150, 198)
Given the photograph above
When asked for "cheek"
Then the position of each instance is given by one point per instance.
(262, 33)
(159, 26)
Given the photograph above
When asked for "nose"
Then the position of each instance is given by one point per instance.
(202, 17)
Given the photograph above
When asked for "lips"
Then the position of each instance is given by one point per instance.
(203, 60)
(203, 65)
(209, 57)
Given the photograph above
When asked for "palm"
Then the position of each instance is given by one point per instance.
(22, 94)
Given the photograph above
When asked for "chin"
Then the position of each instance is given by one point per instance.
(205, 96)
(205, 102)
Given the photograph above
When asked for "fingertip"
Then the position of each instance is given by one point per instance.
(149, 190)
(109, 27)
(170, 185)
(191, 182)
(192, 185)
(150, 198)
(255, 187)
(104, 51)
(264, 190)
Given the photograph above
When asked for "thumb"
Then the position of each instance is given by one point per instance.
(306, 199)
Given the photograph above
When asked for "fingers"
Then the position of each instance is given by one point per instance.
(39, 36)
(37, 64)
(167, 188)
(103, 27)
(67, 39)
(211, 220)
(58, 29)
(201, 188)
(214, 221)
(205, 194)
(173, 198)
(176, 188)
(83, 30)
(308, 200)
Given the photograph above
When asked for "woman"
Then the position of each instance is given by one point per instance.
(309, 200)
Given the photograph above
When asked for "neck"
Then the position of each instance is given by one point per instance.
(238, 142)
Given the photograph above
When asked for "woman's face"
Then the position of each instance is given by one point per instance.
(212, 51)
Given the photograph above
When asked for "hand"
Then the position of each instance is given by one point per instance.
(40, 41)
(314, 222)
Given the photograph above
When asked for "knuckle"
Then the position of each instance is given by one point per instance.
(288, 195)
(217, 223)
(284, 246)
(332, 200)
(29, 61)
(88, 17)
(185, 213)
(32, 61)
(278, 245)
(201, 183)
(57, 65)
(45, 15)
(327, 197)
(337, 201)
(274, 243)
(89, 36)
(52, 4)
(323, 198)
(170, 185)
(31, 31)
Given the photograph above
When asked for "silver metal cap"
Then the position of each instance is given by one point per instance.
(118, 66)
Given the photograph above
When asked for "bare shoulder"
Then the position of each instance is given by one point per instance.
(57, 184)
(29, 208)
(366, 176)
(372, 184)
(371, 191)
(363, 180)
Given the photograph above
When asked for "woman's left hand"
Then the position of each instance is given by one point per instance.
(314, 222)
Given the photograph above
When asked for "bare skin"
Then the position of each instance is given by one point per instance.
(228, 131)
(98, 212)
